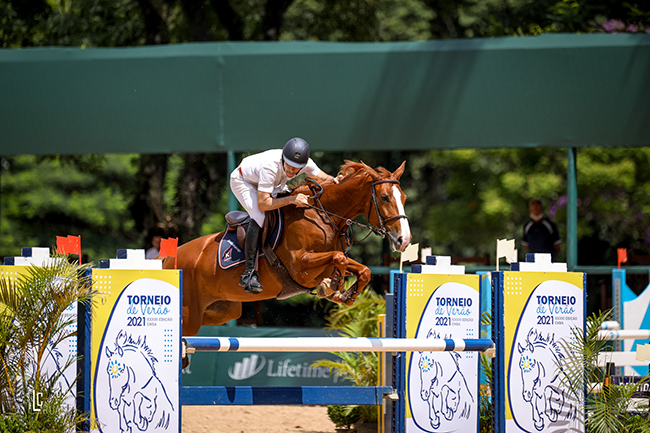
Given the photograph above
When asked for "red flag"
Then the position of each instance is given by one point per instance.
(168, 248)
(622, 256)
(69, 245)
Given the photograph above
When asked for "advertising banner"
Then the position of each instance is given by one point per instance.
(260, 369)
(136, 338)
(540, 311)
(442, 389)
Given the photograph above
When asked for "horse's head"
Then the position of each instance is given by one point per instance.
(387, 207)
(119, 369)
(118, 376)
(532, 371)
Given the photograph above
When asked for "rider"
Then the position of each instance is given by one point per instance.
(256, 184)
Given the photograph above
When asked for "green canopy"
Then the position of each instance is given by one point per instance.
(555, 90)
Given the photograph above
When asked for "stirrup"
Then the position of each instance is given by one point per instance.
(253, 284)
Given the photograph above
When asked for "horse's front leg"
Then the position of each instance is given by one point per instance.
(313, 265)
(363, 278)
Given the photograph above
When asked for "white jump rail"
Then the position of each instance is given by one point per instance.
(336, 344)
(624, 334)
(621, 359)
(610, 324)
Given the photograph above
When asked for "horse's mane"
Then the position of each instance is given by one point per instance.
(548, 342)
(349, 169)
(140, 345)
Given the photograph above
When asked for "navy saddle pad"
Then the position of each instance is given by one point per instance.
(232, 255)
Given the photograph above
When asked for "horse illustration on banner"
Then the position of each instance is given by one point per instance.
(539, 358)
(443, 386)
(135, 391)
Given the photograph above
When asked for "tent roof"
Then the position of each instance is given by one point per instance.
(554, 90)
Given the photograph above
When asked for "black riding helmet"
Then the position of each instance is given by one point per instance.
(296, 152)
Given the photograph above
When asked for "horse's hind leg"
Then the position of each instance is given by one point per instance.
(220, 312)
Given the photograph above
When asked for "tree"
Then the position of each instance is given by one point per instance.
(526, 17)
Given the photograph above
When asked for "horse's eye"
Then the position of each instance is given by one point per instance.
(385, 198)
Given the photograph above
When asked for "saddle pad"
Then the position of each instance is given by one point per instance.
(232, 255)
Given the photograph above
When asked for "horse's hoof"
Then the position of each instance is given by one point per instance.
(185, 359)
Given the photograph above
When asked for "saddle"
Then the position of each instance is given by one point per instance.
(231, 246)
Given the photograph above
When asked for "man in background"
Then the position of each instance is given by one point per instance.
(540, 233)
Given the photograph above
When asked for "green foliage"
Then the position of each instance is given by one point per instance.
(343, 416)
(527, 17)
(478, 195)
(608, 407)
(486, 407)
(45, 198)
(32, 320)
(357, 320)
(357, 21)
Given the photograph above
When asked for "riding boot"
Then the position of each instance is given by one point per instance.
(250, 279)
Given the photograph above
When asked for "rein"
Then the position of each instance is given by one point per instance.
(348, 233)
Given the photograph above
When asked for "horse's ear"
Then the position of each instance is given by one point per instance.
(400, 171)
(121, 338)
(108, 352)
(520, 348)
(371, 171)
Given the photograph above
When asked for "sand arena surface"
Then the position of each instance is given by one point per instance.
(256, 419)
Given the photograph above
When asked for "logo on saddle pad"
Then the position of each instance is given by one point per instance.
(230, 252)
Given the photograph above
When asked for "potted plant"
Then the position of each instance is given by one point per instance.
(356, 320)
(32, 321)
(608, 407)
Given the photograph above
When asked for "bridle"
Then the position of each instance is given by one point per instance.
(380, 217)
(347, 235)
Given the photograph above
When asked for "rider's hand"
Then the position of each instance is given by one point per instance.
(301, 200)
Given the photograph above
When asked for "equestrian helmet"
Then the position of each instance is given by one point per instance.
(296, 152)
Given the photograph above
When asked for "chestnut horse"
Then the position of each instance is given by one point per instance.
(312, 248)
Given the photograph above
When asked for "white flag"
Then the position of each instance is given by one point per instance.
(410, 253)
(506, 248)
(643, 352)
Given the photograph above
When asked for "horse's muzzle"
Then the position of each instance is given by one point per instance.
(399, 241)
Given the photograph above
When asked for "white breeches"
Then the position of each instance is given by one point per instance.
(246, 194)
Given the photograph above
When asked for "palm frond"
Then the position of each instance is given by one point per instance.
(35, 314)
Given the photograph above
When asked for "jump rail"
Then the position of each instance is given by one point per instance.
(624, 334)
(237, 395)
(336, 344)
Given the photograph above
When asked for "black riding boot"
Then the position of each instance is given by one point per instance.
(249, 279)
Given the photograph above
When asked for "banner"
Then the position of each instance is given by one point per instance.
(442, 389)
(136, 338)
(540, 310)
